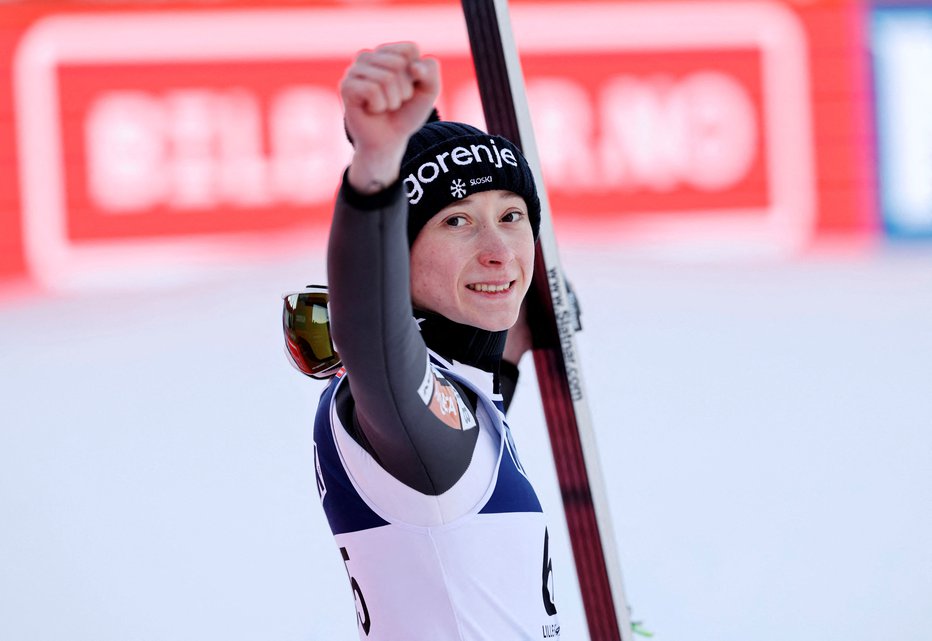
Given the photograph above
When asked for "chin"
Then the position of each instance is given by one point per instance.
(496, 322)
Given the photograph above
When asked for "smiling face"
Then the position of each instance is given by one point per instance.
(473, 261)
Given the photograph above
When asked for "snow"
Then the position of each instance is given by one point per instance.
(764, 430)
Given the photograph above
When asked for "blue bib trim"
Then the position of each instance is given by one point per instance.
(345, 509)
(347, 512)
(513, 491)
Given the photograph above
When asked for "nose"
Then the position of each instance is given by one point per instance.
(494, 249)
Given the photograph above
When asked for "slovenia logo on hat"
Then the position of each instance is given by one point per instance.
(458, 188)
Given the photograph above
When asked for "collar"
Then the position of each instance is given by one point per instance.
(464, 343)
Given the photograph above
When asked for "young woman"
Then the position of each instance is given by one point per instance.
(430, 256)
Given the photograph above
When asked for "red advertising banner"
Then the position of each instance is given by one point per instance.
(139, 136)
(198, 147)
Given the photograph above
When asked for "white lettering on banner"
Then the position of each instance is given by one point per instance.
(643, 141)
(656, 133)
(124, 150)
(563, 123)
(308, 152)
(127, 155)
(199, 149)
(659, 133)
(722, 136)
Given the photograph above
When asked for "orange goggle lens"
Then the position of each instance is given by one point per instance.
(306, 324)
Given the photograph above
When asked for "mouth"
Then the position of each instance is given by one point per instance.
(491, 288)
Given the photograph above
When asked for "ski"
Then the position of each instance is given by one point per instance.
(553, 319)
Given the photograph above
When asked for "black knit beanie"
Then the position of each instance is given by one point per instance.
(446, 161)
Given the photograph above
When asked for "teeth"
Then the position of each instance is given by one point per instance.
(482, 287)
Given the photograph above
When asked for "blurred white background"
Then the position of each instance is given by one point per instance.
(764, 428)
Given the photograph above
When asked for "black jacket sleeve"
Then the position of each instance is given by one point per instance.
(368, 270)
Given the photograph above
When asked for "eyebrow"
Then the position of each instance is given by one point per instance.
(510, 198)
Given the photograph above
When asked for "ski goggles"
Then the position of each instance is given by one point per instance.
(306, 324)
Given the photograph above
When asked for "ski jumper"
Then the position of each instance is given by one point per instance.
(440, 530)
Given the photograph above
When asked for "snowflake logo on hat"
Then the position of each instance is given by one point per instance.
(458, 188)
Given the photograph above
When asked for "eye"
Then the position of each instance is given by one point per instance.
(513, 216)
(457, 220)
